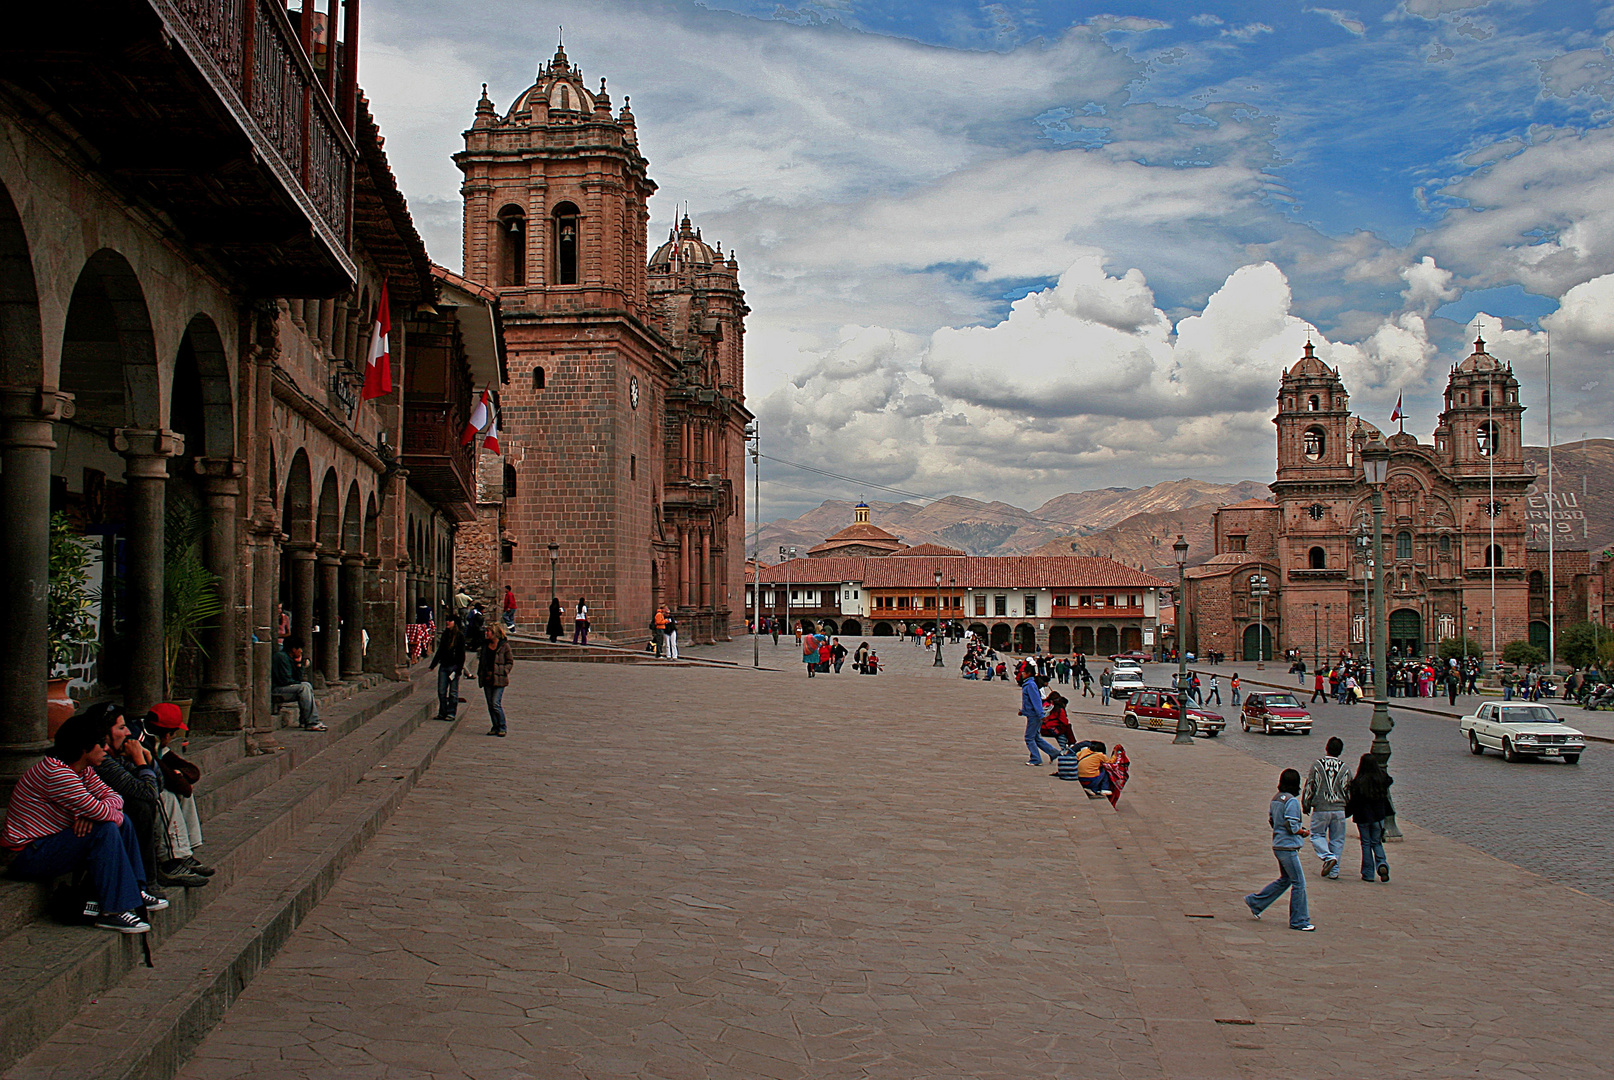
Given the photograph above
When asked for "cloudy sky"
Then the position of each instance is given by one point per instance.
(1007, 250)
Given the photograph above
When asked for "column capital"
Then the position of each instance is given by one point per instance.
(34, 403)
(329, 556)
(147, 450)
(299, 549)
(353, 559)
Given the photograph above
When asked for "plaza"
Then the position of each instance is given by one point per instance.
(699, 872)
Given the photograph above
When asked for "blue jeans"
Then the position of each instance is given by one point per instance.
(1372, 834)
(495, 696)
(303, 694)
(1035, 741)
(448, 692)
(1290, 877)
(1328, 833)
(1235, 700)
(1104, 691)
(113, 854)
(1507, 693)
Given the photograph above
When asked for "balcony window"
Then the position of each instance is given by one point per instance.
(1087, 600)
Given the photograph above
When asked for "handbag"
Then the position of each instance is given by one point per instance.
(179, 776)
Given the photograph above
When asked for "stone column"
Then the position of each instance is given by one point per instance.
(218, 705)
(330, 616)
(353, 575)
(27, 420)
(301, 554)
(706, 568)
(145, 453)
(263, 530)
(683, 566)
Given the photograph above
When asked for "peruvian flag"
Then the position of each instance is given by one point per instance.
(485, 422)
(378, 365)
(1397, 415)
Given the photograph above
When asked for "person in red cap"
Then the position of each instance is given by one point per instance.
(181, 835)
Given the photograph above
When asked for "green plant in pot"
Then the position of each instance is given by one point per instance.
(70, 613)
(190, 589)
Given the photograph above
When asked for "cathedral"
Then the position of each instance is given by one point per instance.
(1292, 572)
(624, 419)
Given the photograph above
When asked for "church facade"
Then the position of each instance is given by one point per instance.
(1454, 527)
(624, 419)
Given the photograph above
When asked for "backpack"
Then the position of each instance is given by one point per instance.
(1067, 765)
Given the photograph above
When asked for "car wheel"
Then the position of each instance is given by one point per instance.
(1474, 746)
(1130, 720)
(1571, 759)
(1244, 724)
(1508, 753)
(1266, 728)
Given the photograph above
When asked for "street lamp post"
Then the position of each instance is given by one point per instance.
(1259, 588)
(787, 554)
(1185, 726)
(554, 560)
(756, 518)
(938, 662)
(1375, 469)
(952, 594)
(1316, 660)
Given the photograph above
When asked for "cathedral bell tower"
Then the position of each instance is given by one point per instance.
(1479, 428)
(1313, 423)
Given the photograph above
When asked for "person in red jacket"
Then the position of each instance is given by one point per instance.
(63, 815)
(1056, 722)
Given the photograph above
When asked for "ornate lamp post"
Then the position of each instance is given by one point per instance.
(1259, 589)
(938, 662)
(952, 594)
(1185, 726)
(554, 560)
(1375, 469)
(787, 554)
(756, 519)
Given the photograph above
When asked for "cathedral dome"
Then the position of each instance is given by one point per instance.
(561, 85)
(685, 246)
(1479, 360)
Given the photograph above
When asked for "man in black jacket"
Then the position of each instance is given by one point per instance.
(286, 683)
(449, 660)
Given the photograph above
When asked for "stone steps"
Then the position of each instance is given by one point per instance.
(53, 970)
(566, 653)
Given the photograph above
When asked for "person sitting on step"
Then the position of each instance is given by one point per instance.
(286, 683)
(181, 832)
(63, 816)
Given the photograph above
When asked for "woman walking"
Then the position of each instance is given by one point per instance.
(1288, 832)
(493, 672)
(1368, 804)
(580, 623)
(552, 627)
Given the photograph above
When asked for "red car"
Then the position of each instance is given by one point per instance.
(1275, 711)
(1156, 707)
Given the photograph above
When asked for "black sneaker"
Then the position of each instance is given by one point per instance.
(124, 922)
(92, 908)
(196, 865)
(177, 873)
(152, 902)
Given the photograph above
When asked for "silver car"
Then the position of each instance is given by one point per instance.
(1125, 680)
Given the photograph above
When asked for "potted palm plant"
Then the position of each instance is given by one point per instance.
(190, 589)
(70, 608)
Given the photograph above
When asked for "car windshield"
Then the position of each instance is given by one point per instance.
(1529, 714)
(1286, 701)
(1128, 673)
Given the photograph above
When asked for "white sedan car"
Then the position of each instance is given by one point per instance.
(1521, 730)
(1125, 680)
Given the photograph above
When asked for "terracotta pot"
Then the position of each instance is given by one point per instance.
(184, 710)
(58, 706)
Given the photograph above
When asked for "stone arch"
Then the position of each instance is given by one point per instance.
(1025, 638)
(883, 629)
(21, 343)
(1318, 559)
(1084, 640)
(1494, 555)
(1257, 642)
(979, 630)
(1131, 639)
(297, 508)
(109, 352)
(1001, 635)
(851, 626)
(1108, 642)
(827, 626)
(329, 519)
(352, 521)
(1059, 640)
(568, 243)
(202, 384)
(372, 527)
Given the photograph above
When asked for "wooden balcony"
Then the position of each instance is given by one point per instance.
(213, 113)
(439, 467)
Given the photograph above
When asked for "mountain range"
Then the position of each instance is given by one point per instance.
(1137, 526)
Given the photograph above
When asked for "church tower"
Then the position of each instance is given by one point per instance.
(1313, 423)
(622, 400)
(1482, 417)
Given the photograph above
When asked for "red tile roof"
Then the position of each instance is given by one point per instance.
(969, 571)
(926, 549)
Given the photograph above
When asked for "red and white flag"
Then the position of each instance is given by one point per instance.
(1397, 415)
(378, 365)
(484, 421)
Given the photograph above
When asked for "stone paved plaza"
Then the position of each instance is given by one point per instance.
(697, 872)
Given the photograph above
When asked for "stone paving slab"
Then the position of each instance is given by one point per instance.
(681, 873)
